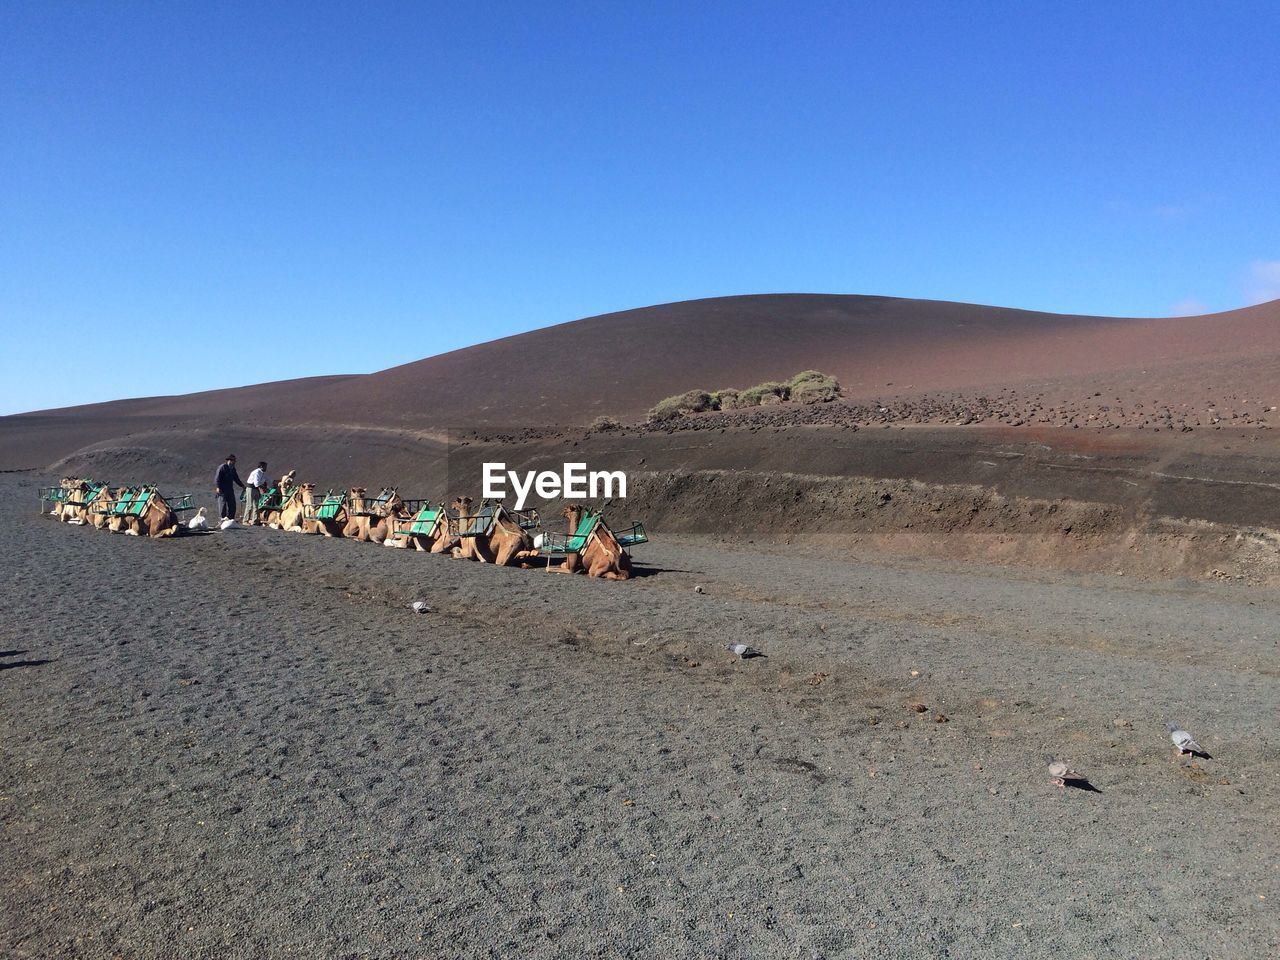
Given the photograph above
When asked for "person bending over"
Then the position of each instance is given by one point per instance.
(258, 484)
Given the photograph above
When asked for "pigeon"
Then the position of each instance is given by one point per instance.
(1183, 740)
(743, 651)
(698, 589)
(1061, 773)
(199, 522)
(419, 606)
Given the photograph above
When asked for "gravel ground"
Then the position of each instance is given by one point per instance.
(245, 745)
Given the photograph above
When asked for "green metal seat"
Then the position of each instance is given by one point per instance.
(422, 522)
(554, 544)
(478, 523)
(329, 507)
(270, 500)
(633, 535)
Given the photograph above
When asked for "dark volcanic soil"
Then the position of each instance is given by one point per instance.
(244, 745)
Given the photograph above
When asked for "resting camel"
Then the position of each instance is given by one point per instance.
(498, 538)
(118, 509)
(76, 494)
(333, 520)
(156, 518)
(296, 508)
(601, 555)
(426, 531)
(273, 501)
(380, 522)
(65, 491)
(98, 509)
(78, 506)
(142, 513)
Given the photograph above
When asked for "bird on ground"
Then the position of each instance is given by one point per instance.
(419, 606)
(199, 522)
(743, 650)
(1183, 740)
(1061, 773)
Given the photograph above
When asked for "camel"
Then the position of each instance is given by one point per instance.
(426, 531)
(331, 516)
(272, 502)
(491, 536)
(380, 521)
(296, 510)
(152, 516)
(59, 496)
(141, 512)
(118, 507)
(76, 509)
(98, 509)
(72, 499)
(599, 553)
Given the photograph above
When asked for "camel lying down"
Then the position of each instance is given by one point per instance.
(591, 547)
(491, 535)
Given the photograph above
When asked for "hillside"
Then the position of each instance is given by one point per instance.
(621, 363)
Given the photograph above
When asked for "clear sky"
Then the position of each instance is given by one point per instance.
(195, 195)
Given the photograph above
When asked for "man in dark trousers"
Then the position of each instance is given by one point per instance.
(225, 482)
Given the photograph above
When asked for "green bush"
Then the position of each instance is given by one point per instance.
(695, 401)
(813, 387)
(764, 393)
(724, 399)
(808, 386)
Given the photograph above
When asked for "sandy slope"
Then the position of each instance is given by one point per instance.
(622, 363)
(245, 746)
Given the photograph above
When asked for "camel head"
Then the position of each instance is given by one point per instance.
(287, 480)
(572, 513)
(463, 506)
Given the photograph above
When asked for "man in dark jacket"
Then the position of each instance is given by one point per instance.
(225, 482)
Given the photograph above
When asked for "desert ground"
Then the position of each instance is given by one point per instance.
(246, 745)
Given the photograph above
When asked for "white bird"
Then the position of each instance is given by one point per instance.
(199, 522)
(1061, 773)
(743, 651)
(419, 606)
(229, 524)
(698, 589)
(1183, 740)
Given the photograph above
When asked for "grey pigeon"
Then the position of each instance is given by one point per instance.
(698, 589)
(743, 651)
(1183, 740)
(1061, 773)
(419, 606)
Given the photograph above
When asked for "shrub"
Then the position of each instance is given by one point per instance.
(813, 387)
(763, 393)
(724, 399)
(695, 401)
(601, 424)
(808, 386)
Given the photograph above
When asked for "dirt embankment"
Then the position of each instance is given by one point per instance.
(867, 515)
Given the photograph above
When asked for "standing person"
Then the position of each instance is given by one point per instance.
(258, 484)
(225, 482)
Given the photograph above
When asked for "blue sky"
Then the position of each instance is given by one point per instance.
(262, 191)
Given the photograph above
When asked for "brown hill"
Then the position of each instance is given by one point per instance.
(622, 363)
